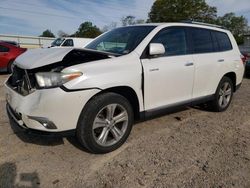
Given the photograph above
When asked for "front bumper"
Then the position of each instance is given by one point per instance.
(17, 128)
(60, 107)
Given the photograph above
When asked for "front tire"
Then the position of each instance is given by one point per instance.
(223, 95)
(105, 123)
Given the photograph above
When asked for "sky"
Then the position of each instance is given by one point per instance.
(32, 17)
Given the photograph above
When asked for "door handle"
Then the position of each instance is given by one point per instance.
(154, 69)
(189, 64)
(221, 60)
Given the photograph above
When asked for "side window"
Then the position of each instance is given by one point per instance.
(4, 49)
(202, 41)
(215, 41)
(68, 42)
(174, 41)
(223, 41)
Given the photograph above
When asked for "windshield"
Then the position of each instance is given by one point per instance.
(57, 42)
(121, 40)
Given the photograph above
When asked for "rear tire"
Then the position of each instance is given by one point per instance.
(105, 123)
(223, 95)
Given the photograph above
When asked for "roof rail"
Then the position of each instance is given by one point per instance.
(201, 23)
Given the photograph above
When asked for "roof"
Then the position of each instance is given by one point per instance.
(186, 23)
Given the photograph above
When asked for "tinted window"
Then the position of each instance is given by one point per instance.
(68, 42)
(223, 41)
(215, 42)
(3, 49)
(121, 40)
(202, 41)
(173, 39)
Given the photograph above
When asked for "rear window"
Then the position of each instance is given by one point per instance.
(202, 41)
(223, 40)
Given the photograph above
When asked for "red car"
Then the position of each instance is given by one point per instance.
(8, 53)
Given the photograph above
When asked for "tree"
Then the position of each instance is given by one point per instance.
(109, 27)
(140, 21)
(236, 24)
(131, 20)
(128, 20)
(87, 30)
(62, 34)
(47, 33)
(179, 10)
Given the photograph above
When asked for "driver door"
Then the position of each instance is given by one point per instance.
(168, 79)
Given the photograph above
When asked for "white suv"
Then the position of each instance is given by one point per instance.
(128, 73)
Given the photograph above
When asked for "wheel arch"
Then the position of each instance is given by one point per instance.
(232, 76)
(128, 93)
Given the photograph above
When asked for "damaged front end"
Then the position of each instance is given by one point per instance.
(26, 79)
(31, 106)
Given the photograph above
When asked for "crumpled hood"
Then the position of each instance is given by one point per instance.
(40, 57)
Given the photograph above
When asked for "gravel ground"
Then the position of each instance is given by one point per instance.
(190, 148)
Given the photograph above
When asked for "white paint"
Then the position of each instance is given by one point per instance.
(34, 58)
(167, 80)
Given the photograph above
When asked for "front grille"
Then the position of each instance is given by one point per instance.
(22, 81)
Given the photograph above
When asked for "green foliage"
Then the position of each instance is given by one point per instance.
(87, 30)
(197, 10)
(236, 24)
(179, 10)
(47, 33)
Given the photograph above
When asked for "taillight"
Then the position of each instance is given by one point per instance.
(243, 58)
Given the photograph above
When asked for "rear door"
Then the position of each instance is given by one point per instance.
(207, 60)
(168, 79)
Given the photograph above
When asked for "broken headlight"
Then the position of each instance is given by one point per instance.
(55, 79)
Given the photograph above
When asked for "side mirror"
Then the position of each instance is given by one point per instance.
(156, 49)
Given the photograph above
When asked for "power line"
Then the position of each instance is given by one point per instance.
(111, 5)
(54, 15)
(108, 5)
(34, 12)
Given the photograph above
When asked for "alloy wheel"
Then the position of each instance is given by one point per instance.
(225, 95)
(110, 125)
